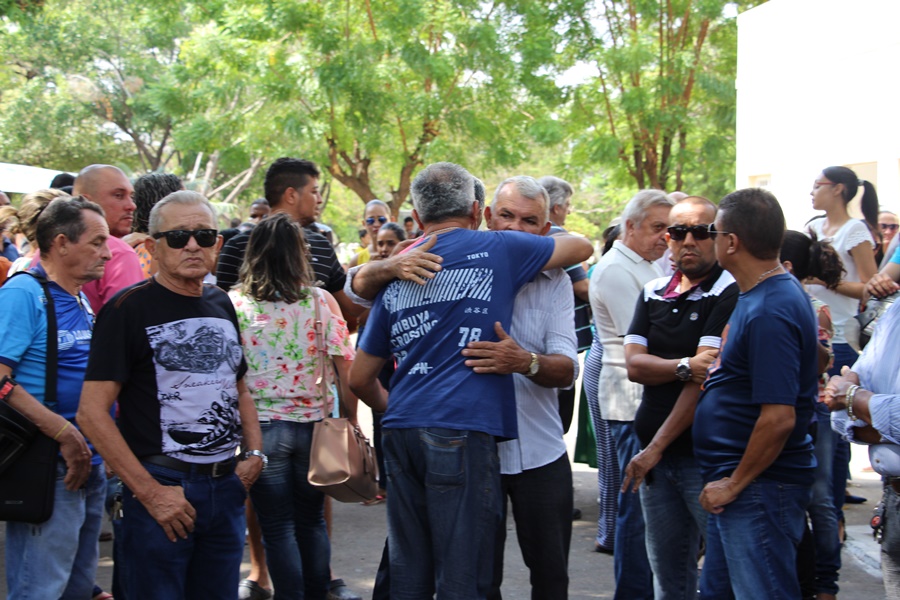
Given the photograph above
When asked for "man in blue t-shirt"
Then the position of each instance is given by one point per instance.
(443, 420)
(750, 428)
(61, 559)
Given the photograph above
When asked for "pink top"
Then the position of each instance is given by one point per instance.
(122, 270)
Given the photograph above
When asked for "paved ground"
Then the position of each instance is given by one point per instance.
(359, 536)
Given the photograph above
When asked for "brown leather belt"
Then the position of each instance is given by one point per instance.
(218, 469)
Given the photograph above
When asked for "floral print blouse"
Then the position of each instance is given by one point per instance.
(279, 341)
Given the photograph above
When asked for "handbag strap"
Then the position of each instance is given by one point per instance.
(321, 350)
(52, 335)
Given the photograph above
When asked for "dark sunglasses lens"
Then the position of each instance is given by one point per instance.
(205, 237)
(678, 233)
(700, 232)
(177, 239)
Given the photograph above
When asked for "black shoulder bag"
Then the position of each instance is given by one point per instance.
(28, 457)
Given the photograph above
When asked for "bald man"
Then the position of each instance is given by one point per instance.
(109, 187)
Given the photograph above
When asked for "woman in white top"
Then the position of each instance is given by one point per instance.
(832, 191)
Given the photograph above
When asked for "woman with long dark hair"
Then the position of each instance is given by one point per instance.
(276, 307)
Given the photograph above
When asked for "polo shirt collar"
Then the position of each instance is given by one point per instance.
(670, 290)
(629, 253)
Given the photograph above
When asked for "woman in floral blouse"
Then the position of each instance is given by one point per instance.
(274, 304)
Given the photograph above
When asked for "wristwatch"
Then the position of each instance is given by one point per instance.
(683, 370)
(258, 453)
(534, 366)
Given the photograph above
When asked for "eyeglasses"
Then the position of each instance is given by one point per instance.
(818, 184)
(889, 226)
(371, 220)
(679, 232)
(179, 238)
(713, 232)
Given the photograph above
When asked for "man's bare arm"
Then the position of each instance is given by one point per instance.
(568, 250)
(74, 449)
(166, 504)
(364, 380)
(416, 265)
(248, 470)
(772, 430)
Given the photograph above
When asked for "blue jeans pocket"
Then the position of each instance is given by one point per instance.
(445, 457)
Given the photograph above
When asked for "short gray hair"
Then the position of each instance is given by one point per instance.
(183, 197)
(480, 192)
(637, 208)
(559, 190)
(63, 216)
(443, 191)
(527, 187)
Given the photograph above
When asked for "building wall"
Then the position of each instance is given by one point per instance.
(818, 84)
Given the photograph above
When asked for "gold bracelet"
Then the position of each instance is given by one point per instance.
(851, 395)
(58, 433)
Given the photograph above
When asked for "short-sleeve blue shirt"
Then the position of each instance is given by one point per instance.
(23, 345)
(768, 356)
(426, 327)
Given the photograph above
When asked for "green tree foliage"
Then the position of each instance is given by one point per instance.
(215, 90)
(657, 106)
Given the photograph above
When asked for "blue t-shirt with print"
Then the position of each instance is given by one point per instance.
(768, 356)
(23, 345)
(426, 328)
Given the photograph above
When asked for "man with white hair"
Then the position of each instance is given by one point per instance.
(168, 349)
(442, 422)
(615, 288)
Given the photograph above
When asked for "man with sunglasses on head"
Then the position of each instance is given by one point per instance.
(674, 336)
(168, 349)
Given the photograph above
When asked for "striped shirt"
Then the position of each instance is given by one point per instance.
(324, 261)
(541, 323)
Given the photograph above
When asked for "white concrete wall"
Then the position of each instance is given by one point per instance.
(818, 84)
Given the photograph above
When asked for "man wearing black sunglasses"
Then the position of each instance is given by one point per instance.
(168, 349)
(674, 336)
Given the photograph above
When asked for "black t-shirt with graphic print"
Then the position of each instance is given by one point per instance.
(178, 359)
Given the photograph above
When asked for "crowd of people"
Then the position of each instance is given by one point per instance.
(723, 375)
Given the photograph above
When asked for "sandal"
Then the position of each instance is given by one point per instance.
(103, 596)
(250, 590)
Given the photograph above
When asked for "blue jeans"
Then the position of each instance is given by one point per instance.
(844, 354)
(751, 546)
(291, 514)
(675, 522)
(205, 565)
(443, 512)
(58, 558)
(634, 579)
(821, 508)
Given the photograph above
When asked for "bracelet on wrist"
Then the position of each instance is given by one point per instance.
(851, 395)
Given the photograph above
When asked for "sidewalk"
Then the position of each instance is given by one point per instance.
(359, 533)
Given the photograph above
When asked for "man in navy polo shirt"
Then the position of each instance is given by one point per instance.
(750, 428)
